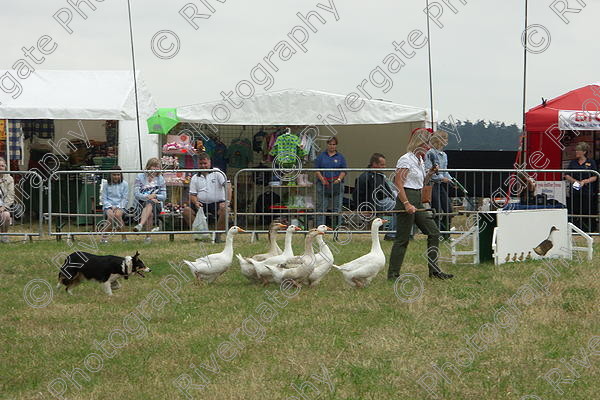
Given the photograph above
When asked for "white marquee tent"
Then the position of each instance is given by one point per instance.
(72, 96)
(379, 126)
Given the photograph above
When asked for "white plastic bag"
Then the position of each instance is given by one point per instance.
(200, 224)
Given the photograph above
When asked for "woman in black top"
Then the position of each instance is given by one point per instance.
(582, 196)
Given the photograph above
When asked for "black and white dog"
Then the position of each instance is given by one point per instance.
(81, 266)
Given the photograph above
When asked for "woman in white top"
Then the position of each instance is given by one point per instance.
(409, 180)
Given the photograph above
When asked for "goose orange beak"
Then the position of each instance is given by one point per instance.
(298, 228)
(241, 230)
(329, 229)
(385, 220)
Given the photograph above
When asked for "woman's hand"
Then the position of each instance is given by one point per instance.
(324, 181)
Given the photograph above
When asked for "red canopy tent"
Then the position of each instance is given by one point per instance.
(555, 126)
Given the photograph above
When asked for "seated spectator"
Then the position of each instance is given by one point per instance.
(150, 191)
(207, 190)
(7, 198)
(114, 195)
(374, 189)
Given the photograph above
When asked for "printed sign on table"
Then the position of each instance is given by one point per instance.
(553, 189)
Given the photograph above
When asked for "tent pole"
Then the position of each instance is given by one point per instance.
(137, 111)
(523, 134)
(429, 57)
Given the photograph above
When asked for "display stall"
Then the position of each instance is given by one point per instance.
(82, 120)
(556, 126)
(246, 138)
(555, 129)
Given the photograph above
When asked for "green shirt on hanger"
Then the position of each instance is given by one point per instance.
(286, 148)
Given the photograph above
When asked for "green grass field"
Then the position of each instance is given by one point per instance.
(492, 332)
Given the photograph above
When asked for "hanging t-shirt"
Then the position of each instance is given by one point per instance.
(218, 157)
(287, 147)
(257, 141)
(239, 155)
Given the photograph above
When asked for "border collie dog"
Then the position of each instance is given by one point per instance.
(81, 266)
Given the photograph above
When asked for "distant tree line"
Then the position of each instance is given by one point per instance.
(481, 135)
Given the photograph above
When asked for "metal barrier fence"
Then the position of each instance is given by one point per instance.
(74, 205)
(20, 204)
(297, 196)
(510, 189)
(78, 203)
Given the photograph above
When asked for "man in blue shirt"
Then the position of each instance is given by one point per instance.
(330, 187)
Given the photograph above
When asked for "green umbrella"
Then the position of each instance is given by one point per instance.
(163, 120)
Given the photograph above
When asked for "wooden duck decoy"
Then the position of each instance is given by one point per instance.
(543, 248)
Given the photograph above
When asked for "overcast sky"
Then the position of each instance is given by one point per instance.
(477, 56)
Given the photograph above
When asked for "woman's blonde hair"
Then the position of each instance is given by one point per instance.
(419, 137)
(439, 138)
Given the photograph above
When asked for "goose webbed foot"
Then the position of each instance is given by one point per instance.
(359, 284)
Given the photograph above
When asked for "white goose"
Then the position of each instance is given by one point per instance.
(297, 268)
(323, 259)
(361, 271)
(212, 266)
(274, 249)
(247, 268)
(265, 274)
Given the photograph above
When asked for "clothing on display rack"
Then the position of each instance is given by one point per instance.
(257, 141)
(269, 143)
(217, 151)
(239, 153)
(40, 128)
(218, 158)
(287, 148)
(15, 141)
(309, 145)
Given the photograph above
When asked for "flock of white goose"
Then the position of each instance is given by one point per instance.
(278, 266)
